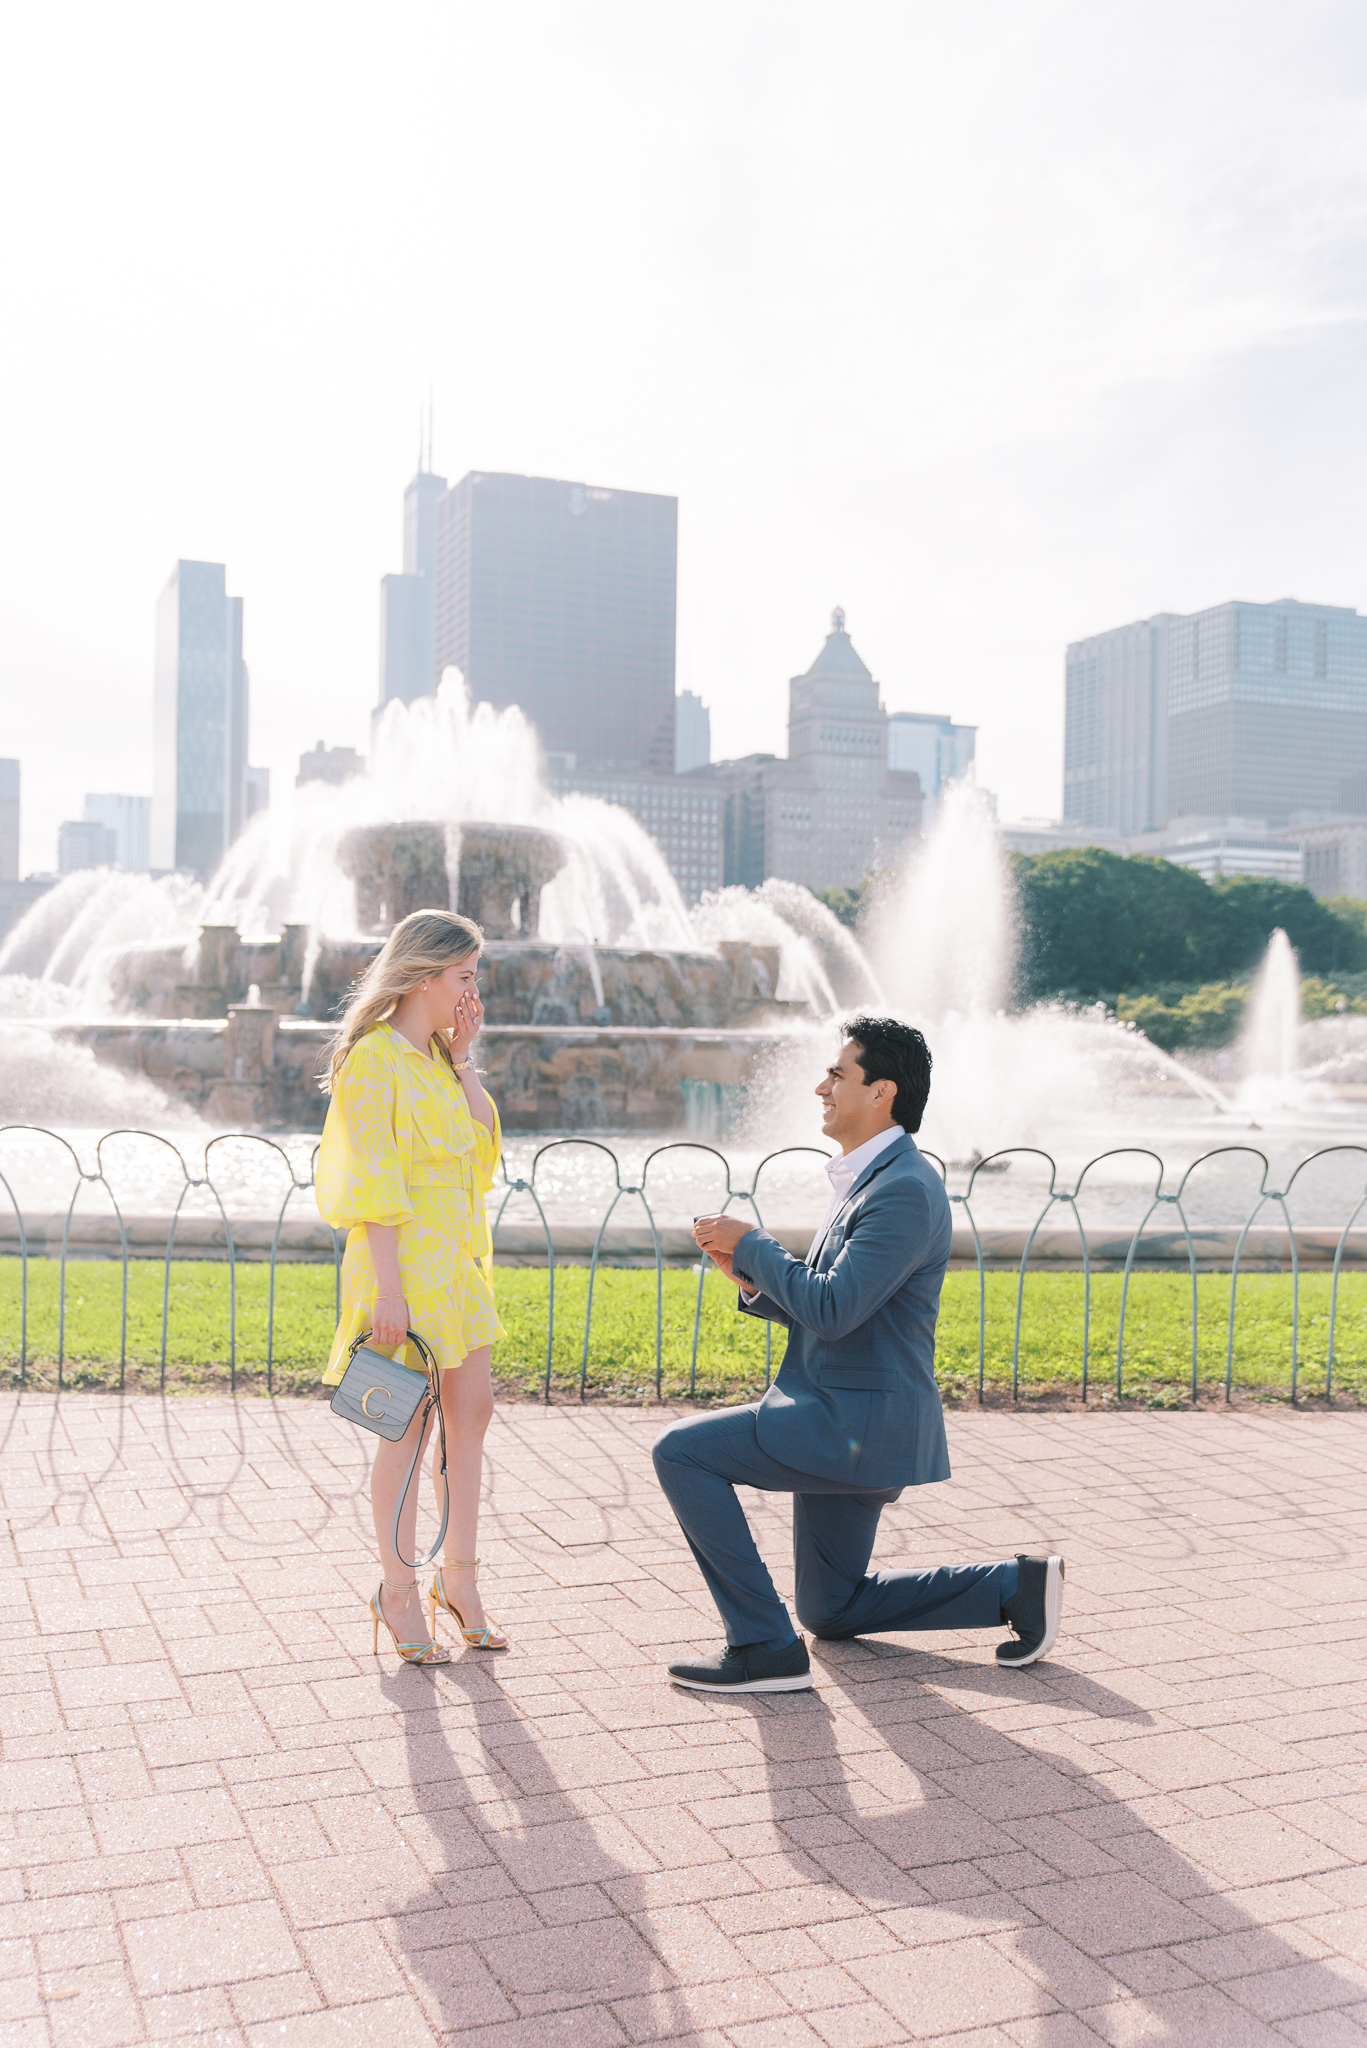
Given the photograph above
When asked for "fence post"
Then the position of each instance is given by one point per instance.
(1324, 1153)
(1334, 1295)
(528, 1187)
(1020, 1285)
(23, 1281)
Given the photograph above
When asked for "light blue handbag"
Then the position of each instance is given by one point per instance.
(382, 1394)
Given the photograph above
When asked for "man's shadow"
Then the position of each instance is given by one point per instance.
(953, 1831)
(963, 1878)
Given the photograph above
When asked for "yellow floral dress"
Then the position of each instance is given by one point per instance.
(400, 1146)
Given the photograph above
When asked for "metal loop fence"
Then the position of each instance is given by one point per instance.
(742, 1191)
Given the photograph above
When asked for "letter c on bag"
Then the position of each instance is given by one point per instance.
(366, 1408)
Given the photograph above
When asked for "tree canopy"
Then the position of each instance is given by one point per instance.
(1095, 925)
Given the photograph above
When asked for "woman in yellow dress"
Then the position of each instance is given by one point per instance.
(409, 1152)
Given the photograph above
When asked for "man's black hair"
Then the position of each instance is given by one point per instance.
(891, 1051)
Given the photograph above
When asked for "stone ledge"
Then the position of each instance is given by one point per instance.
(306, 1239)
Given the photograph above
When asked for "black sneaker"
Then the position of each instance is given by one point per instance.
(1033, 1610)
(747, 1667)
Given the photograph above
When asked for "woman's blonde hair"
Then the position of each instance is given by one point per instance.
(423, 943)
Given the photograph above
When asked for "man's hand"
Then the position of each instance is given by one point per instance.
(718, 1236)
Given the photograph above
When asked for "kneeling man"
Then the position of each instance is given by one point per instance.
(854, 1414)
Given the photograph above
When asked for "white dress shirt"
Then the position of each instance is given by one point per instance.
(842, 1172)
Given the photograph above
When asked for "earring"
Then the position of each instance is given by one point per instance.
(424, 988)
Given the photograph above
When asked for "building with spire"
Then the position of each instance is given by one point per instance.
(833, 809)
(407, 601)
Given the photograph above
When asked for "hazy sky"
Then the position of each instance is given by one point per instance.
(997, 324)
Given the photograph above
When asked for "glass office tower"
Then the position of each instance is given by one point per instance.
(1253, 711)
(9, 821)
(560, 597)
(935, 749)
(129, 818)
(199, 721)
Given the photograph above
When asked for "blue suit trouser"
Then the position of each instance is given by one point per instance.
(700, 1463)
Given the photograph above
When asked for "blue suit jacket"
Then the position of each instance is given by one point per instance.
(855, 1397)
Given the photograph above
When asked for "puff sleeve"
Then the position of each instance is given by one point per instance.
(366, 1149)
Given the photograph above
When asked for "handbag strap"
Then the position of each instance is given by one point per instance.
(431, 1400)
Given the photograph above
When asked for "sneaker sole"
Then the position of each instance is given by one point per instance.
(1053, 1609)
(799, 1683)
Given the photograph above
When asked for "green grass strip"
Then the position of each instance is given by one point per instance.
(731, 1346)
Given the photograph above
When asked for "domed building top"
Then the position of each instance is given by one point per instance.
(838, 658)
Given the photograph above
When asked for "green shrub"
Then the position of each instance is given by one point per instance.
(1095, 925)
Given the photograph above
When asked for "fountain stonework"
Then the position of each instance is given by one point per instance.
(501, 871)
(576, 1037)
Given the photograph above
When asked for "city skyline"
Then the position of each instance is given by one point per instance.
(991, 413)
(1115, 682)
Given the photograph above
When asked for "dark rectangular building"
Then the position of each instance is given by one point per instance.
(560, 597)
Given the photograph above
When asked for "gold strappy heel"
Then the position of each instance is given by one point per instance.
(490, 1638)
(412, 1653)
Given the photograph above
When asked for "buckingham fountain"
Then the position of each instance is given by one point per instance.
(611, 1006)
(577, 1035)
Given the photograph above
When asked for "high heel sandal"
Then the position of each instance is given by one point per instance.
(412, 1653)
(488, 1638)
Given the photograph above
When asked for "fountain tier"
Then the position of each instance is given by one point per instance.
(500, 873)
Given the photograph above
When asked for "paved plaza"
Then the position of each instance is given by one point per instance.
(227, 1822)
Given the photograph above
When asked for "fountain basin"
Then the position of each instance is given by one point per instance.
(256, 1071)
(523, 981)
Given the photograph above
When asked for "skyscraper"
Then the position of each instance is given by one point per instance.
(9, 821)
(129, 819)
(834, 808)
(1247, 711)
(560, 597)
(199, 721)
(85, 843)
(934, 749)
(406, 601)
(692, 733)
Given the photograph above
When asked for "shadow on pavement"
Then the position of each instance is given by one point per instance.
(986, 1836)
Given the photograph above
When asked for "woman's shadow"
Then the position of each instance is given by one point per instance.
(536, 1882)
(959, 1877)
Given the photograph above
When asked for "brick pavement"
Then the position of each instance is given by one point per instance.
(226, 1822)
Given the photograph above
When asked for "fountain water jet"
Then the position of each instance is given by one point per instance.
(629, 1000)
(1268, 1043)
